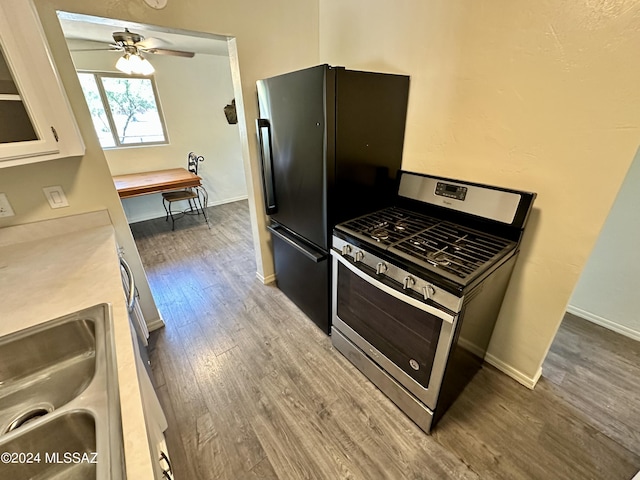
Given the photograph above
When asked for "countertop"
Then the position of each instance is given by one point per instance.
(47, 277)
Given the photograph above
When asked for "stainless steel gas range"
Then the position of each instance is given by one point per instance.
(417, 287)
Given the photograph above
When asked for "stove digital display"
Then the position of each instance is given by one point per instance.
(451, 191)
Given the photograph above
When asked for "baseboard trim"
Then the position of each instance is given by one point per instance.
(160, 213)
(266, 280)
(517, 375)
(603, 322)
(227, 200)
(155, 324)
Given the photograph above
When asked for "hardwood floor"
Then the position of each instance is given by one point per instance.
(253, 390)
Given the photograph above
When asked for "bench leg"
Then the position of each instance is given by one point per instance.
(205, 201)
(204, 213)
(164, 204)
(173, 220)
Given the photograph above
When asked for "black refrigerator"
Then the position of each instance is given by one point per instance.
(331, 147)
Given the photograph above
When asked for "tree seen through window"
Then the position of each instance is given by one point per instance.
(124, 109)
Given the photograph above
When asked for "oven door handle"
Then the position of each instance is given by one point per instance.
(444, 316)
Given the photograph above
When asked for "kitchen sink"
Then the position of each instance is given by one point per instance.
(59, 400)
(44, 369)
(62, 448)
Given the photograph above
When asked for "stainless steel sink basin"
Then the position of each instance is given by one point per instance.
(59, 399)
(44, 369)
(62, 448)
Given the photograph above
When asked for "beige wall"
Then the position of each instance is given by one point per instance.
(271, 37)
(541, 96)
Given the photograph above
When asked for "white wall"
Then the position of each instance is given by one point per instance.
(607, 292)
(540, 96)
(193, 93)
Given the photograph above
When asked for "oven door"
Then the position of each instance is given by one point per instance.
(404, 336)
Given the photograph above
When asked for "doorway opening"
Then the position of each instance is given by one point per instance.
(593, 360)
(193, 88)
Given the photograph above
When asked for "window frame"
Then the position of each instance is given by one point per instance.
(98, 75)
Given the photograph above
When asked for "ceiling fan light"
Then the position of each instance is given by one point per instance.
(135, 61)
(145, 67)
(124, 64)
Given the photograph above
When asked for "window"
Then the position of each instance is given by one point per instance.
(124, 108)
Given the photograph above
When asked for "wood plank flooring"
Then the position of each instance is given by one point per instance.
(253, 390)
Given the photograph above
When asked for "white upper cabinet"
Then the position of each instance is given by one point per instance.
(36, 121)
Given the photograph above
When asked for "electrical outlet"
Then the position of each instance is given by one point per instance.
(55, 196)
(5, 206)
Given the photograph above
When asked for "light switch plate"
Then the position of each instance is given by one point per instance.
(5, 206)
(55, 196)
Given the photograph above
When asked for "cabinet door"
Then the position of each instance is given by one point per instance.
(156, 424)
(17, 125)
(165, 469)
(36, 122)
(154, 417)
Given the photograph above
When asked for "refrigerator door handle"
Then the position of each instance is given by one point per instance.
(266, 155)
(306, 250)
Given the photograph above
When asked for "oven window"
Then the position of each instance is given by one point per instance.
(404, 334)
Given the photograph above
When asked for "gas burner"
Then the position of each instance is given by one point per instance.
(460, 246)
(380, 225)
(400, 226)
(380, 234)
(421, 245)
(460, 243)
(439, 258)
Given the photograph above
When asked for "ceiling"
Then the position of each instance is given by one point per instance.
(79, 29)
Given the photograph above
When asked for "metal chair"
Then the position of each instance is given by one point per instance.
(196, 196)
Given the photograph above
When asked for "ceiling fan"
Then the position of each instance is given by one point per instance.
(133, 45)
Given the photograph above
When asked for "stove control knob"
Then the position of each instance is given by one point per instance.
(346, 250)
(428, 291)
(358, 256)
(408, 282)
(381, 267)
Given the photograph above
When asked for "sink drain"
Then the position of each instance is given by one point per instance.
(27, 417)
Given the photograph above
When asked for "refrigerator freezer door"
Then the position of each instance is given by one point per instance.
(307, 250)
(302, 273)
(293, 104)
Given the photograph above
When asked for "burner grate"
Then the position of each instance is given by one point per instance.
(389, 226)
(452, 248)
(438, 245)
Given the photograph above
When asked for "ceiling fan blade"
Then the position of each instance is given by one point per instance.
(105, 49)
(151, 42)
(164, 51)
